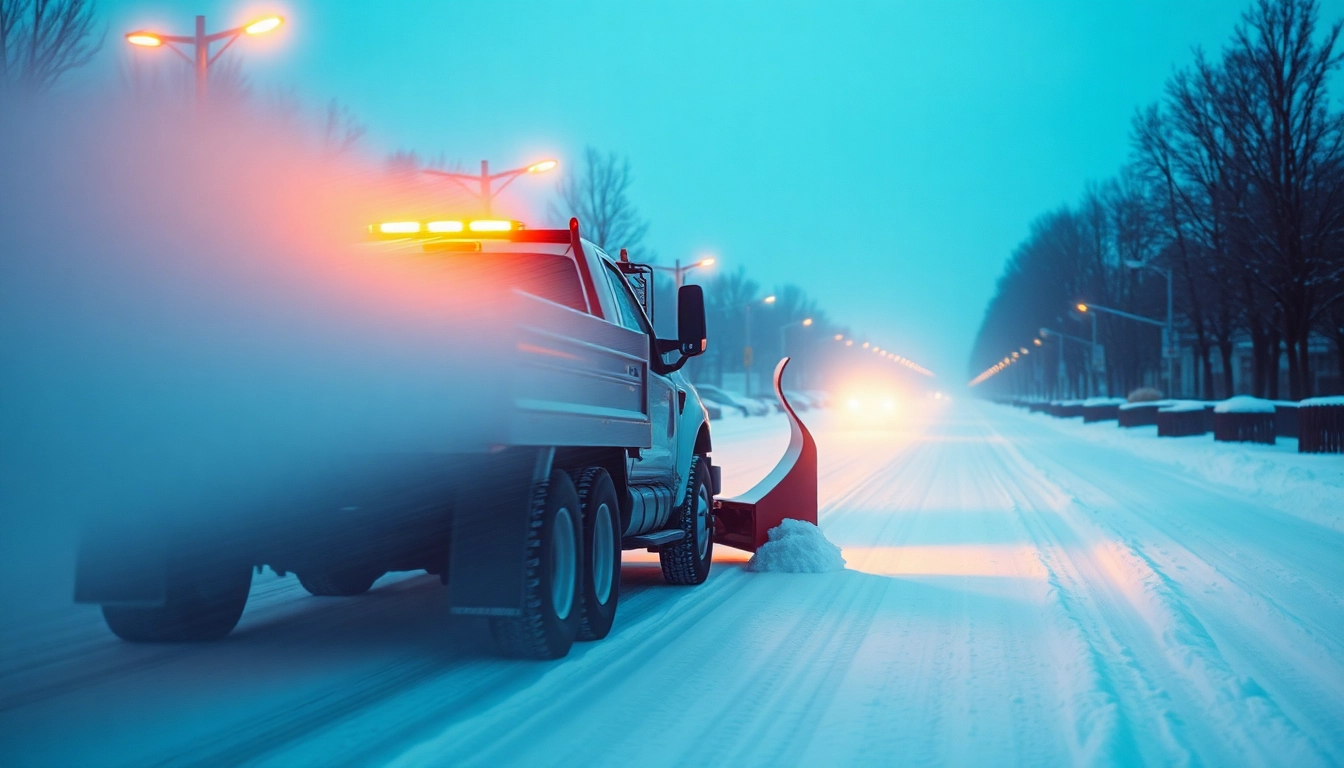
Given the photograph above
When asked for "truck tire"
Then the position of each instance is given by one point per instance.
(202, 603)
(601, 553)
(687, 561)
(346, 583)
(554, 577)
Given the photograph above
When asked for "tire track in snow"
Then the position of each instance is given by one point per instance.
(1257, 633)
(1182, 642)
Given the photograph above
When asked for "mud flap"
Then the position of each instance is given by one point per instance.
(487, 561)
(789, 491)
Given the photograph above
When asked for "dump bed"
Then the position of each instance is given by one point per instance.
(574, 380)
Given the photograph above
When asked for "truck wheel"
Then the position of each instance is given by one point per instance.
(601, 552)
(202, 603)
(347, 583)
(554, 577)
(687, 561)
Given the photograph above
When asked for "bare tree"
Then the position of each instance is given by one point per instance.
(1274, 110)
(341, 130)
(41, 40)
(599, 196)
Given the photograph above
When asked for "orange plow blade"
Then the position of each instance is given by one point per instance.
(789, 491)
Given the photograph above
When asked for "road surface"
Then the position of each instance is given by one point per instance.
(1015, 593)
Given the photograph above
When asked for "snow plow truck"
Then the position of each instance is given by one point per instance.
(585, 440)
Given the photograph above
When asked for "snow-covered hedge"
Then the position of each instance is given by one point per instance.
(1244, 404)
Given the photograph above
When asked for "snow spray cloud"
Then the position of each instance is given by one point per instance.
(188, 311)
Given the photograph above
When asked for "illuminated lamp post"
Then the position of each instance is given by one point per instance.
(747, 358)
(200, 42)
(482, 185)
(679, 272)
(783, 337)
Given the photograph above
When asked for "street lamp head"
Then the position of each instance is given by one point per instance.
(706, 262)
(144, 39)
(1037, 342)
(849, 342)
(1082, 307)
(807, 321)
(769, 299)
(839, 337)
(543, 166)
(262, 26)
(865, 345)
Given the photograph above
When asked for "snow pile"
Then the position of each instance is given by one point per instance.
(1304, 485)
(1183, 406)
(1145, 404)
(1145, 395)
(1333, 400)
(797, 546)
(1244, 404)
(1095, 401)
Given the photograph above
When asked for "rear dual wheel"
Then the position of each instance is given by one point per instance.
(553, 579)
(601, 552)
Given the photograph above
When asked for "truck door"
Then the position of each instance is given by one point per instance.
(656, 465)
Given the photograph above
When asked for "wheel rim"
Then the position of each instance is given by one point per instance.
(702, 522)
(604, 554)
(562, 563)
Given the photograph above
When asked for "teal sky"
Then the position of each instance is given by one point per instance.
(886, 156)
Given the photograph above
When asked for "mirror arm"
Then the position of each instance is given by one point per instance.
(674, 367)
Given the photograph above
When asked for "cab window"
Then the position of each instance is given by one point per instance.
(631, 316)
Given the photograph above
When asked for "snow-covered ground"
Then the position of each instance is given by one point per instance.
(1018, 589)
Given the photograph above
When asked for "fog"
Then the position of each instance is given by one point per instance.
(191, 317)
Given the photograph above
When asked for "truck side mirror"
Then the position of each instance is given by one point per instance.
(691, 335)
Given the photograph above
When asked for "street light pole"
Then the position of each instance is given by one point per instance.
(783, 338)
(202, 51)
(748, 359)
(200, 42)
(485, 189)
(679, 272)
(1169, 331)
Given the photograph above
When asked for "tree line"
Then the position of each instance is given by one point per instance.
(1235, 186)
(598, 192)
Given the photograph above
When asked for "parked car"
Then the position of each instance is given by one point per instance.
(748, 405)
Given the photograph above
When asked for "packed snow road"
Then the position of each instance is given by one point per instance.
(1018, 590)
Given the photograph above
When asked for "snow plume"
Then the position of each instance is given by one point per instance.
(188, 301)
(797, 546)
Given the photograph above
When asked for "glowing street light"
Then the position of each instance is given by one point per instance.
(679, 272)
(783, 330)
(200, 42)
(748, 359)
(482, 185)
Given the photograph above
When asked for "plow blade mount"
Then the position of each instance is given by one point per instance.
(789, 491)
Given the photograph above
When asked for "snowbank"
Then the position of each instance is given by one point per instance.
(1093, 401)
(1146, 404)
(1183, 406)
(796, 546)
(1335, 400)
(1244, 404)
(1304, 485)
